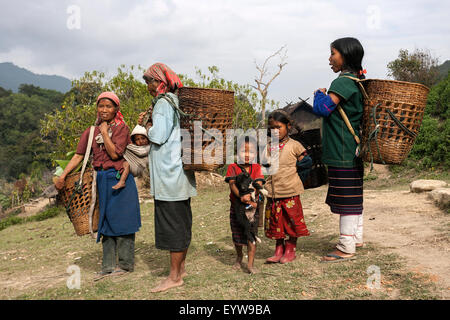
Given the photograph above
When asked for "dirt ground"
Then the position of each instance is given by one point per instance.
(408, 224)
(396, 220)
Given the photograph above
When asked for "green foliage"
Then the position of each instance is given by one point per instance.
(20, 141)
(438, 102)
(432, 146)
(48, 213)
(418, 66)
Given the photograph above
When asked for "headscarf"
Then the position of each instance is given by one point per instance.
(169, 79)
(113, 97)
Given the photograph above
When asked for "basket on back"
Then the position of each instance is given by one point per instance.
(214, 108)
(393, 113)
(78, 204)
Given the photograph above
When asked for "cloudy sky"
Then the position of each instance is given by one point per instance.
(70, 37)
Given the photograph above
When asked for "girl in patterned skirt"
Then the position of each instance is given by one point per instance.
(284, 213)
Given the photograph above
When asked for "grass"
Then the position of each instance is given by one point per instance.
(47, 213)
(35, 254)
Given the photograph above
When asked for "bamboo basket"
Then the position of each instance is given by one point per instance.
(214, 108)
(393, 113)
(79, 205)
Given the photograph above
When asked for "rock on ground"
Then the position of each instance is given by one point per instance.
(426, 185)
(441, 197)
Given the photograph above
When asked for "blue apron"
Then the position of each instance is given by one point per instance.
(119, 209)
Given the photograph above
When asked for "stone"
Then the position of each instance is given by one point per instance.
(426, 185)
(441, 197)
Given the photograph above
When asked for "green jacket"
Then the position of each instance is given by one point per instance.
(338, 144)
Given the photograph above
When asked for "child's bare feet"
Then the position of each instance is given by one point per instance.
(252, 270)
(119, 185)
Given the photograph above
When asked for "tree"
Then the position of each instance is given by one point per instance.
(419, 66)
(262, 84)
(20, 141)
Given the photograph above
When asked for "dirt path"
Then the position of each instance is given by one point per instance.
(33, 207)
(412, 226)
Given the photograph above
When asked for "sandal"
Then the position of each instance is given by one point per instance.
(337, 258)
(100, 275)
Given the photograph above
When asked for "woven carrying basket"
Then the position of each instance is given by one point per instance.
(214, 108)
(397, 107)
(80, 203)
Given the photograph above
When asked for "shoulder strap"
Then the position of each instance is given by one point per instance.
(87, 153)
(361, 87)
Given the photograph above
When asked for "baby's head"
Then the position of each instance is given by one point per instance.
(247, 151)
(139, 136)
(140, 140)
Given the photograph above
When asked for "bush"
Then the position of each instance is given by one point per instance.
(432, 146)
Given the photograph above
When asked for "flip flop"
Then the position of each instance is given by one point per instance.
(337, 258)
(118, 272)
(100, 275)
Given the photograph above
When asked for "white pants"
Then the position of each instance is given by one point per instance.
(351, 232)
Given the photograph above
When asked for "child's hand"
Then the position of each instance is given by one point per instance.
(253, 204)
(246, 199)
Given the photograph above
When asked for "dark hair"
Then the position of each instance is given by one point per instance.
(352, 53)
(247, 139)
(282, 116)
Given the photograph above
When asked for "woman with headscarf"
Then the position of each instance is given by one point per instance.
(120, 215)
(171, 186)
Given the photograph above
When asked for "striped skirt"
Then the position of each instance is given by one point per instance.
(345, 190)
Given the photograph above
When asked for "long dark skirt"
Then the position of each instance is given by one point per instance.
(345, 190)
(173, 225)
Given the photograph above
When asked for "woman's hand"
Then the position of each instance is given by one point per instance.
(141, 118)
(104, 128)
(59, 184)
(73, 163)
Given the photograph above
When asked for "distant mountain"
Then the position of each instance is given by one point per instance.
(443, 69)
(12, 76)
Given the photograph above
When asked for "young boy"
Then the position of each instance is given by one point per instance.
(136, 154)
(247, 152)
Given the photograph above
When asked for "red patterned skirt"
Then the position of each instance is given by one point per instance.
(284, 217)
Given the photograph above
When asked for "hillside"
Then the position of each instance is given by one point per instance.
(444, 69)
(12, 76)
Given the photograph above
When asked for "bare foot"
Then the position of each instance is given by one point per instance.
(252, 270)
(238, 264)
(167, 284)
(119, 185)
(183, 274)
